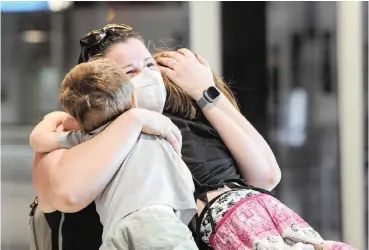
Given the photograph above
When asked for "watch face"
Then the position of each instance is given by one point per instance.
(212, 93)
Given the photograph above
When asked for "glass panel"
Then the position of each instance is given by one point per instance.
(303, 110)
(365, 82)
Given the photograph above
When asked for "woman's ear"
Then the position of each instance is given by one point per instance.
(134, 100)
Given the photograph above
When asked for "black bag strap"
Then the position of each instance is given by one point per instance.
(33, 206)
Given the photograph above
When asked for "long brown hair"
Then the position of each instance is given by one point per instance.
(181, 104)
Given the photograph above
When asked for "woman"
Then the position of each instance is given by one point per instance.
(244, 217)
(217, 152)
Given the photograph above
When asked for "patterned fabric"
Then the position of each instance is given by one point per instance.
(261, 222)
(220, 207)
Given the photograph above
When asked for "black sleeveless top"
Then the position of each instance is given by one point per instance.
(209, 160)
(81, 230)
(205, 154)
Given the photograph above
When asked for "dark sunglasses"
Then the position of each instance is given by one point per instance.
(95, 37)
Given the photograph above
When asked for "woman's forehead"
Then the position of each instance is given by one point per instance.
(128, 52)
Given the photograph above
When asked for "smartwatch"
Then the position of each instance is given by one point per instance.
(208, 97)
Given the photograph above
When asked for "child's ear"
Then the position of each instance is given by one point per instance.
(134, 100)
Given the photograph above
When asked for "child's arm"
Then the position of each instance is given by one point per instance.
(44, 137)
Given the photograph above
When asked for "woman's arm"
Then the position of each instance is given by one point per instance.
(233, 114)
(256, 166)
(69, 180)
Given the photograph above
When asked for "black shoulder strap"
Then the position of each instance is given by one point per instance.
(33, 206)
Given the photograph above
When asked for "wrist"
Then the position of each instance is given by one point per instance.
(218, 104)
(56, 115)
(136, 116)
(60, 128)
(200, 92)
(55, 118)
(209, 97)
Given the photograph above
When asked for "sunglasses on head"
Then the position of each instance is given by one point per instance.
(96, 36)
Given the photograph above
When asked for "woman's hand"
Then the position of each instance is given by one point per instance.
(155, 123)
(188, 71)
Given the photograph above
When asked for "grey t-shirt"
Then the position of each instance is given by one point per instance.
(149, 175)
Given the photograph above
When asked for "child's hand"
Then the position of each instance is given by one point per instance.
(56, 118)
(60, 128)
(69, 124)
(155, 123)
(44, 137)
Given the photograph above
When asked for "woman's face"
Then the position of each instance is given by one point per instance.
(132, 55)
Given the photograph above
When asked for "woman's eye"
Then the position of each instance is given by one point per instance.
(150, 65)
(130, 72)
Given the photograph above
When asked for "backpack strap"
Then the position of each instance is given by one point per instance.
(41, 234)
(33, 206)
(33, 239)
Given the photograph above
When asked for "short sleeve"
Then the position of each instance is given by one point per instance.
(70, 139)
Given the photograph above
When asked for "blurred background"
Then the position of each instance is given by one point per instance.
(299, 71)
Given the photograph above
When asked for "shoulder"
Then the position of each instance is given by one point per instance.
(199, 121)
(199, 126)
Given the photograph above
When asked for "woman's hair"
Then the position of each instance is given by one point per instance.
(95, 93)
(177, 101)
(181, 104)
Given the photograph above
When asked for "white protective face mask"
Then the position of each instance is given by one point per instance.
(150, 90)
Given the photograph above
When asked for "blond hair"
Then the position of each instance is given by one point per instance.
(96, 92)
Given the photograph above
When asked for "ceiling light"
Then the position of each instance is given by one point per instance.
(34, 36)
